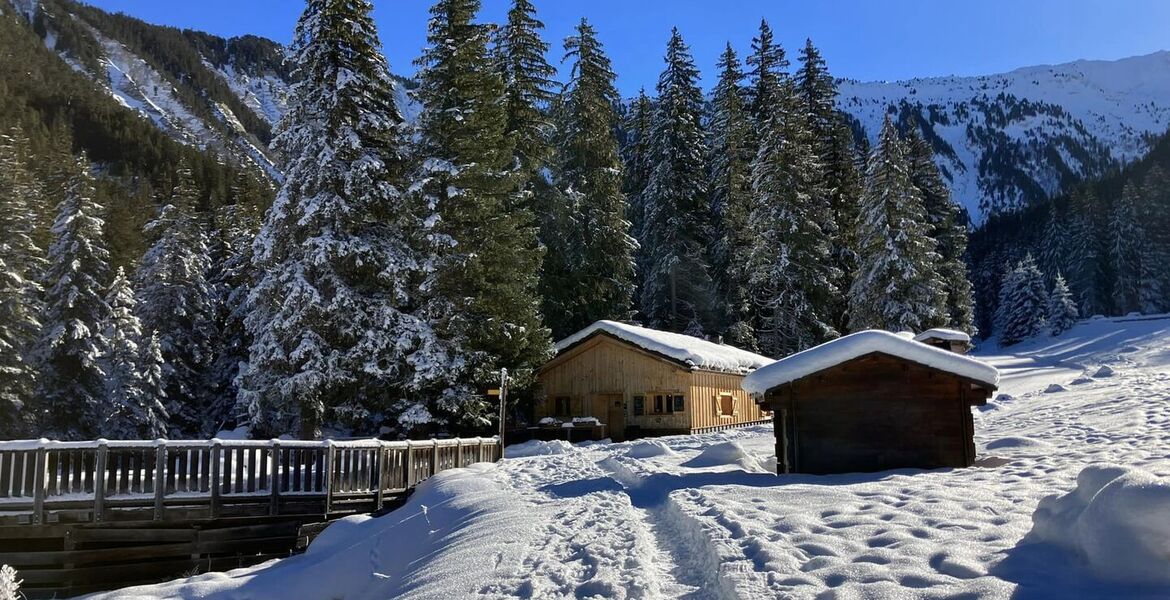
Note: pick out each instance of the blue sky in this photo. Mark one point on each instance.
(861, 39)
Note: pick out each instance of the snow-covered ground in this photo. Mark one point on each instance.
(704, 517)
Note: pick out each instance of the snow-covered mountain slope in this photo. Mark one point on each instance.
(704, 517)
(1004, 140)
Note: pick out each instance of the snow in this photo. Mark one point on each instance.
(949, 335)
(859, 344)
(704, 517)
(537, 448)
(698, 353)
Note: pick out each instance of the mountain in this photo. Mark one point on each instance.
(1005, 141)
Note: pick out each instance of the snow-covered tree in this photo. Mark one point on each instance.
(21, 266)
(176, 301)
(948, 227)
(635, 150)
(1062, 308)
(1126, 240)
(677, 288)
(232, 280)
(135, 409)
(767, 71)
(591, 241)
(528, 84)
(729, 171)
(493, 271)
(1023, 303)
(1083, 256)
(1154, 294)
(70, 401)
(340, 335)
(897, 287)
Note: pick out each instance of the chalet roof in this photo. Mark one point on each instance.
(691, 351)
(815, 360)
(949, 335)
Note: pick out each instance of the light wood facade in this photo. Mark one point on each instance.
(636, 392)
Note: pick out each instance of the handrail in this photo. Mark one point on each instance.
(40, 475)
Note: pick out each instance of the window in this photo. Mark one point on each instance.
(562, 406)
(726, 404)
(680, 403)
(639, 405)
(659, 403)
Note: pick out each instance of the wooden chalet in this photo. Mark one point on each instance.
(643, 382)
(873, 401)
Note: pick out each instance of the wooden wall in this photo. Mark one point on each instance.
(603, 366)
(874, 414)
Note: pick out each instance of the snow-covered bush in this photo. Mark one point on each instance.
(1117, 519)
(9, 584)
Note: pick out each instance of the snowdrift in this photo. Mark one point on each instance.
(1117, 519)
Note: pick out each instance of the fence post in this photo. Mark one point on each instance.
(40, 481)
(330, 452)
(434, 457)
(160, 481)
(274, 478)
(99, 480)
(380, 469)
(215, 485)
(409, 466)
(458, 453)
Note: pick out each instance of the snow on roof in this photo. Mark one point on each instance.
(814, 360)
(698, 353)
(949, 335)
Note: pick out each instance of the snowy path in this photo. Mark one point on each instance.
(703, 517)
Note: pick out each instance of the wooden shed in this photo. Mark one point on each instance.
(947, 339)
(873, 401)
(644, 382)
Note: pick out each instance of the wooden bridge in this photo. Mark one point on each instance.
(77, 517)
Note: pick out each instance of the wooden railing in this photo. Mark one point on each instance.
(38, 477)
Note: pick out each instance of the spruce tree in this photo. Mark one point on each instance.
(1083, 255)
(897, 287)
(1126, 240)
(947, 227)
(1062, 308)
(491, 274)
(21, 266)
(71, 398)
(636, 162)
(839, 178)
(340, 337)
(767, 71)
(1053, 241)
(729, 167)
(135, 409)
(1023, 303)
(1154, 213)
(592, 241)
(528, 85)
(677, 288)
(176, 301)
(232, 280)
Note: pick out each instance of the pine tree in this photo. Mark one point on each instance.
(1083, 262)
(340, 335)
(949, 231)
(1023, 303)
(676, 293)
(897, 287)
(839, 178)
(1154, 213)
(1062, 308)
(729, 167)
(21, 266)
(135, 409)
(768, 66)
(592, 241)
(70, 401)
(1053, 241)
(492, 275)
(1126, 239)
(176, 301)
(528, 85)
(637, 167)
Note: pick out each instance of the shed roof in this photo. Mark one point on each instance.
(815, 360)
(690, 351)
(949, 335)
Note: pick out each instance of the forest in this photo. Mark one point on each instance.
(154, 290)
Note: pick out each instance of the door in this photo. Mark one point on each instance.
(615, 416)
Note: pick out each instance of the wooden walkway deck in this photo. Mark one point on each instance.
(77, 517)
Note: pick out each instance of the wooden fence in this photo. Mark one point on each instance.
(45, 481)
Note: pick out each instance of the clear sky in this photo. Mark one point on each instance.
(861, 39)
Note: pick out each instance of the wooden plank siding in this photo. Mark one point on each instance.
(872, 414)
(599, 369)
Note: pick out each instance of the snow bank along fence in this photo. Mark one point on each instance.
(82, 516)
